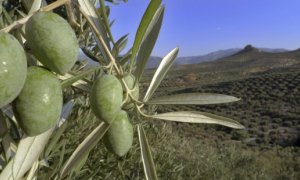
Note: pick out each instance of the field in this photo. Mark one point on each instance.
(267, 149)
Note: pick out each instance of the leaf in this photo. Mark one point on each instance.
(90, 10)
(66, 111)
(105, 19)
(36, 5)
(120, 45)
(123, 60)
(160, 73)
(84, 147)
(149, 167)
(146, 20)
(194, 98)
(198, 117)
(28, 152)
(70, 81)
(54, 139)
(148, 42)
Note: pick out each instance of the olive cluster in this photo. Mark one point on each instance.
(36, 93)
(106, 98)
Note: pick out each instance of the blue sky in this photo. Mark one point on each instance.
(201, 26)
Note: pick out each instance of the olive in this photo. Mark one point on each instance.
(106, 97)
(53, 41)
(119, 137)
(13, 68)
(129, 79)
(38, 106)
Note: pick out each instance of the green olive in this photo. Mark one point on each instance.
(106, 97)
(129, 79)
(13, 68)
(119, 137)
(52, 41)
(38, 106)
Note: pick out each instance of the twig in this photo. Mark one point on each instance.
(22, 21)
(99, 37)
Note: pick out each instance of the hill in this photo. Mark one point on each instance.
(215, 55)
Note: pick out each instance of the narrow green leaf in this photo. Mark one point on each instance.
(148, 43)
(123, 60)
(105, 19)
(70, 81)
(84, 147)
(160, 73)
(120, 45)
(194, 98)
(147, 18)
(54, 139)
(149, 167)
(199, 117)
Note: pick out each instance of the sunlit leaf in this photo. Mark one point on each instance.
(144, 24)
(160, 73)
(148, 43)
(198, 117)
(193, 98)
(32, 173)
(36, 5)
(28, 152)
(149, 167)
(84, 147)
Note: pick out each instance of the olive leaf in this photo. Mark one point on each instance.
(198, 117)
(149, 167)
(29, 150)
(54, 139)
(148, 42)
(120, 45)
(143, 26)
(84, 147)
(27, 153)
(160, 73)
(193, 98)
(125, 58)
(90, 10)
(105, 19)
(36, 5)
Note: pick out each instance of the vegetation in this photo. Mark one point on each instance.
(35, 143)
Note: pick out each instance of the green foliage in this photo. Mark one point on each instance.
(178, 150)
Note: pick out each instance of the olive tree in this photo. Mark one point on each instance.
(41, 78)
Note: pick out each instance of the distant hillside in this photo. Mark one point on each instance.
(215, 55)
(247, 61)
(154, 61)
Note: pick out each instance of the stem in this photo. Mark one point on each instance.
(99, 37)
(22, 21)
(141, 112)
